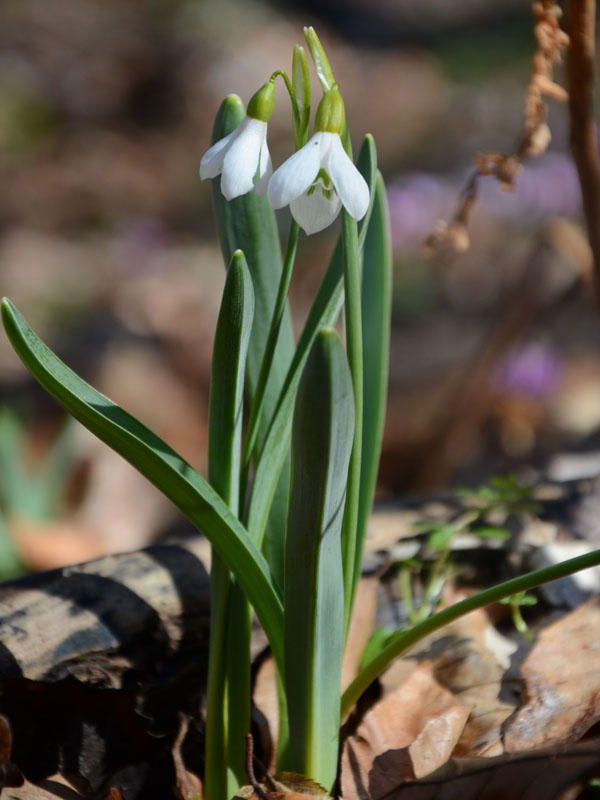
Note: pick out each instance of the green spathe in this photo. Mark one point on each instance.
(262, 102)
(331, 114)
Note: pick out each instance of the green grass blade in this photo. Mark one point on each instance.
(354, 347)
(324, 312)
(158, 462)
(376, 315)
(229, 610)
(314, 597)
(399, 642)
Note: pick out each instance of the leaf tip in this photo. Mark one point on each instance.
(7, 309)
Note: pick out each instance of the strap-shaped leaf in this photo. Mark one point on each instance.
(314, 589)
(227, 381)
(324, 312)
(158, 462)
(228, 695)
(376, 304)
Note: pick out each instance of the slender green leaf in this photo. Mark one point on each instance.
(354, 346)
(324, 311)
(314, 596)
(376, 312)
(158, 462)
(321, 62)
(402, 640)
(301, 89)
(232, 337)
(229, 611)
(441, 537)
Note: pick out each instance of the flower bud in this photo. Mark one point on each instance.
(262, 103)
(301, 81)
(331, 115)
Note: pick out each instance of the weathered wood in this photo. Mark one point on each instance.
(139, 615)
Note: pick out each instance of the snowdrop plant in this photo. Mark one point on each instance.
(320, 177)
(289, 493)
(243, 153)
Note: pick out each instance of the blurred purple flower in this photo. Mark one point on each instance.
(545, 187)
(136, 241)
(417, 201)
(531, 369)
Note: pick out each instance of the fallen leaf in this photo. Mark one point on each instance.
(409, 733)
(286, 786)
(54, 788)
(265, 713)
(361, 627)
(561, 683)
(469, 659)
(542, 775)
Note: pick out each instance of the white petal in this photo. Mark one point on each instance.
(349, 183)
(241, 160)
(212, 161)
(315, 212)
(265, 169)
(296, 174)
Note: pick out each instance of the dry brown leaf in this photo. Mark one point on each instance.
(286, 786)
(114, 794)
(264, 697)
(361, 627)
(54, 788)
(542, 775)
(409, 733)
(473, 667)
(469, 659)
(562, 683)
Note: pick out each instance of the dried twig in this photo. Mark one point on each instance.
(535, 137)
(580, 77)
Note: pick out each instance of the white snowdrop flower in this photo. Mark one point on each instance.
(318, 179)
(244, 152)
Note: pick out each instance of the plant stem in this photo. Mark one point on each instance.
(267, 360)
(403, 640)
(406, 593)
(215, 775)
(238, 693)
(580, 80)
(354, 347)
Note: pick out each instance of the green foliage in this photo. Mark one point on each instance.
(516, 602)
(314, 588)
(503, 496)
(289, 545)
(158, 462)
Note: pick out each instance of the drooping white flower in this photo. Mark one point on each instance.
(318, 179)
(244, 152)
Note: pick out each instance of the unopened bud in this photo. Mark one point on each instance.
(331, 115)
(262, 103)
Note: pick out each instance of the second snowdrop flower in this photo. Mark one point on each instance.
(244, 152)
(317, 180)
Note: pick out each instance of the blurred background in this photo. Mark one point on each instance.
(107, 245)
